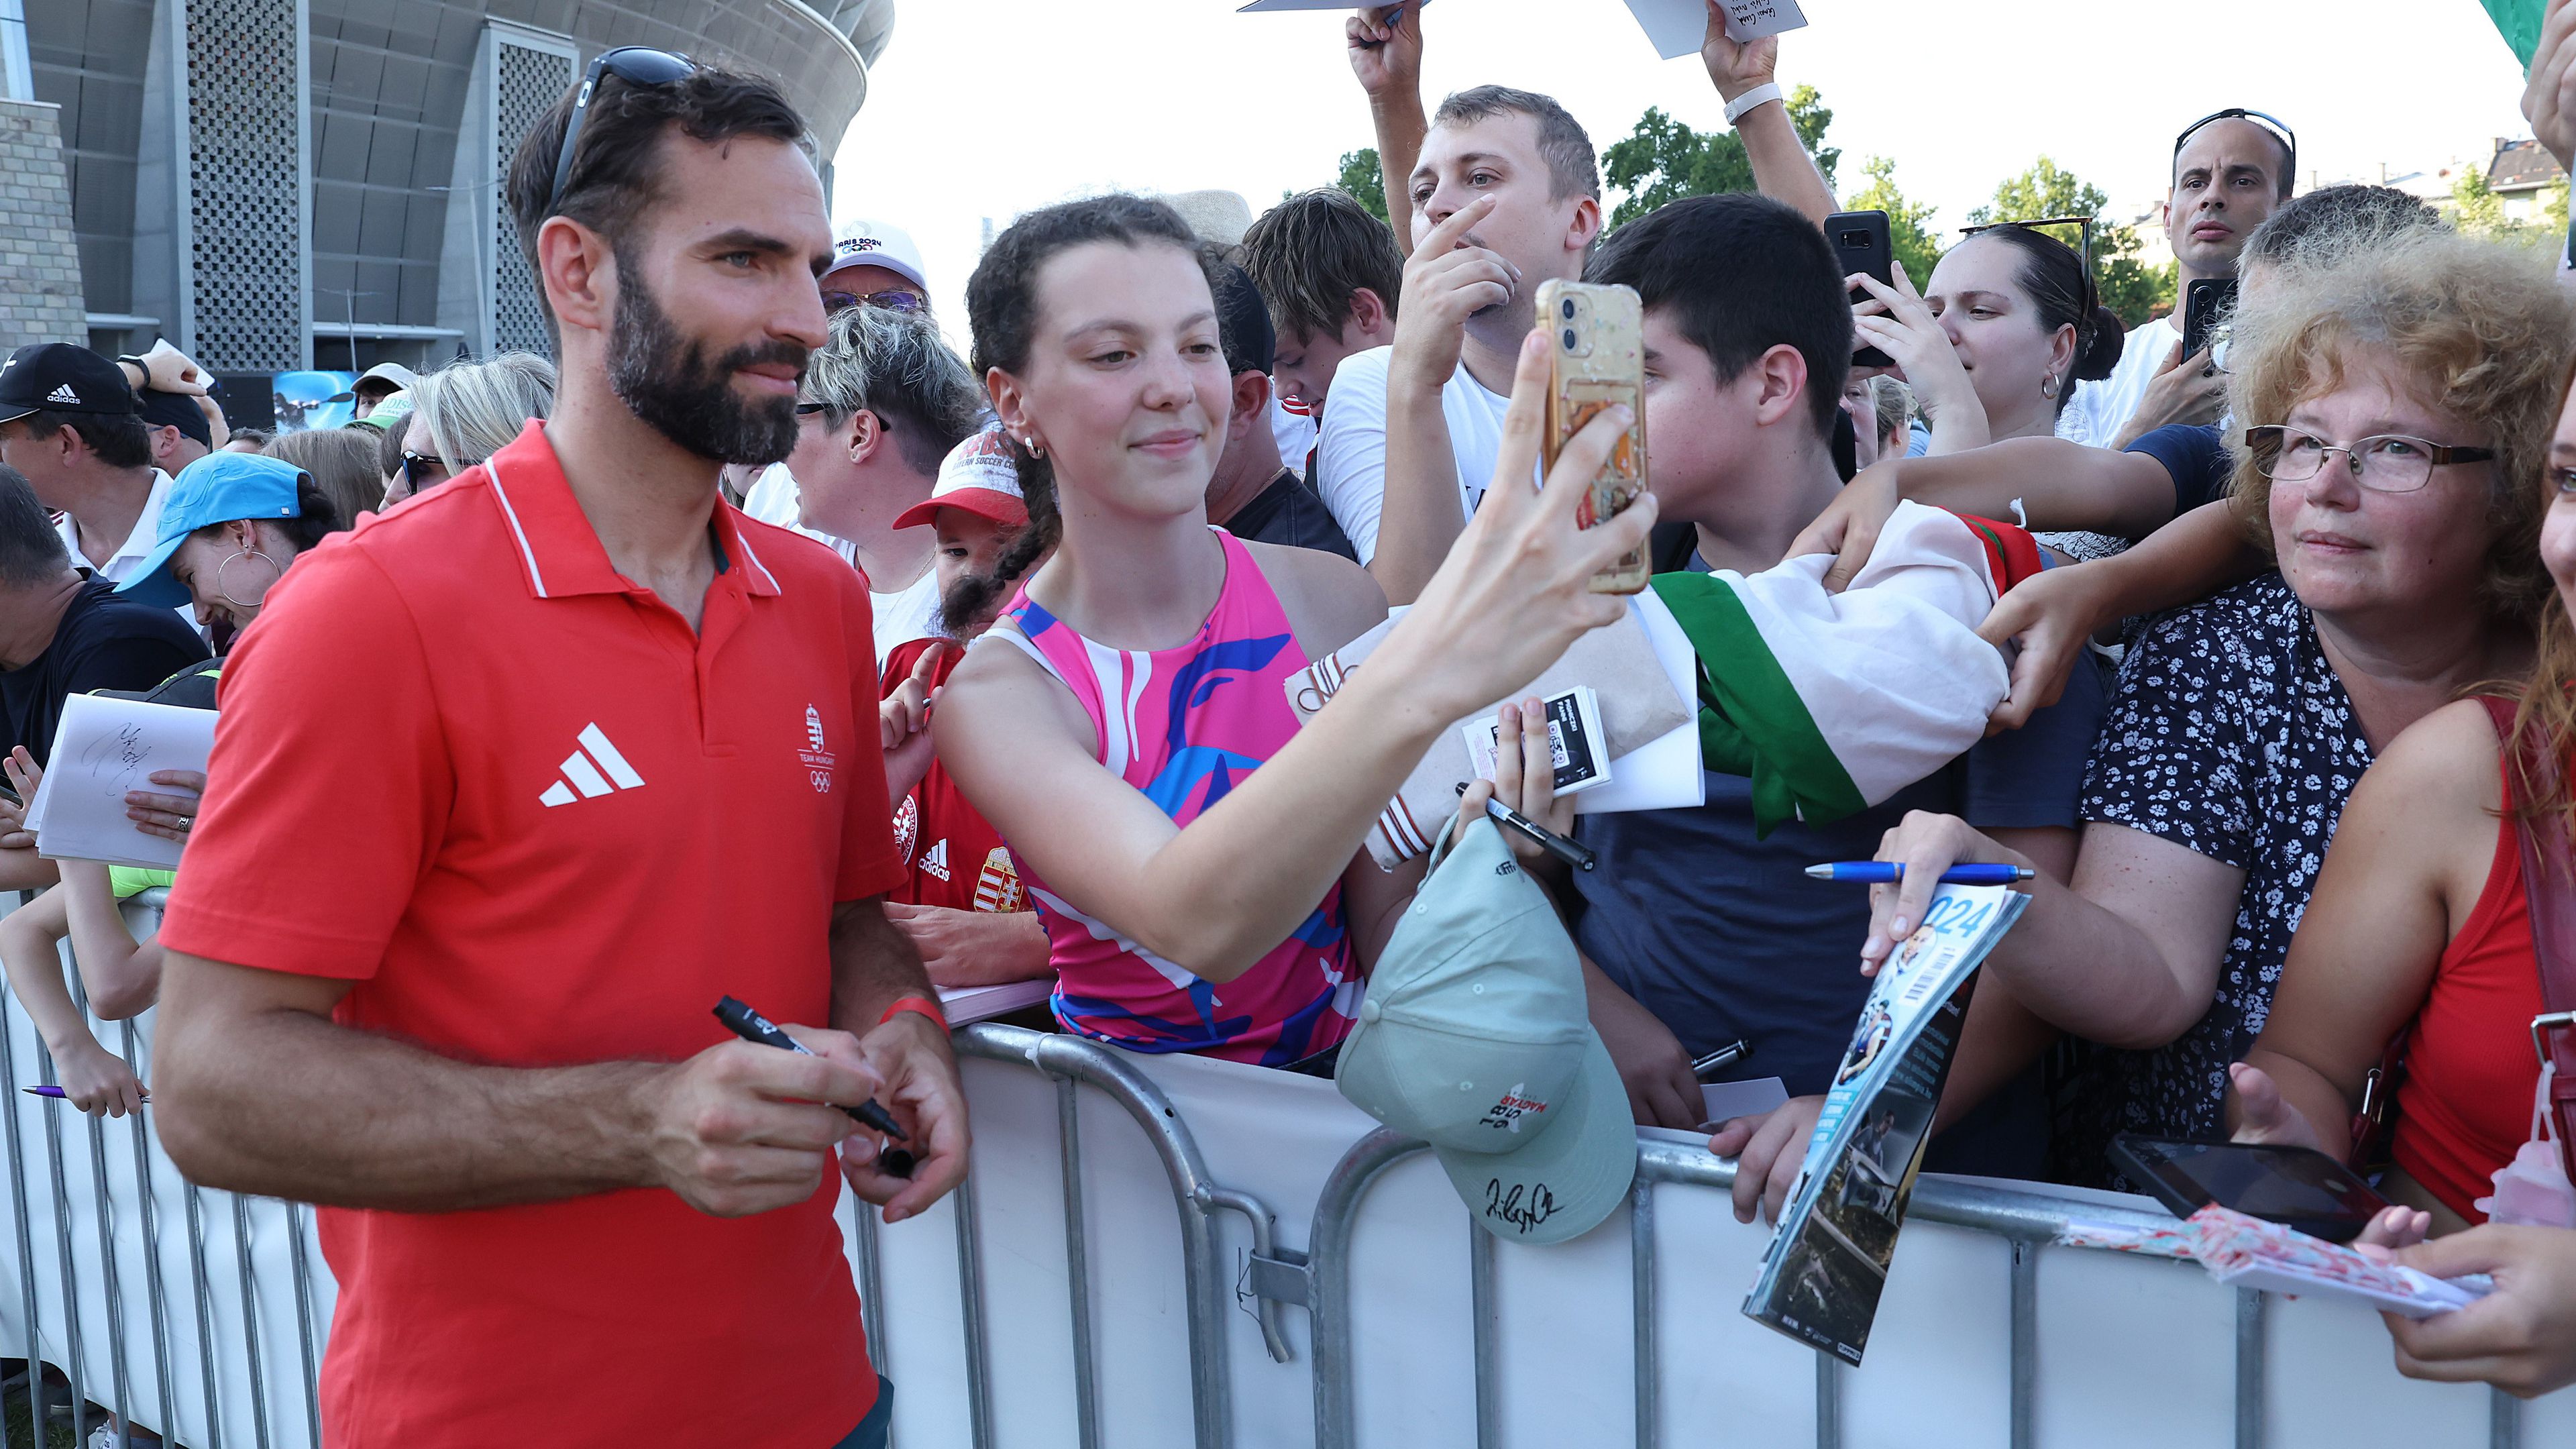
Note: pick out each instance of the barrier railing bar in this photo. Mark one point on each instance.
(1264, 1246)
(2025, 1340)
(2504, 1420)
(1641, 1281)
(203, 1289)
(298, 1215)
(250, 1322)
(970, 1290)
(1829, 1401)
(155, 1291)
(1328, 1255)
(121, 1399)
(1211, 1391)
(1480, 1294)
(26, 1242)
(63, 1253)
(863, 1220)
(1077, 1262)
(2250, 1304)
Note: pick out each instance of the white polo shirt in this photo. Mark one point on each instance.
(129, 555)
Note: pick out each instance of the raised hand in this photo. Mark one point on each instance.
(1448, 279)
(1386, 55)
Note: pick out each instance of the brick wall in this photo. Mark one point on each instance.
(40, 281)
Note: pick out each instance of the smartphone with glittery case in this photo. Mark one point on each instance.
(1597, 359)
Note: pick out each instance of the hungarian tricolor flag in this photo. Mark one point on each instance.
(1831, 702)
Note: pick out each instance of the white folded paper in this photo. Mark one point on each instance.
(104, 748)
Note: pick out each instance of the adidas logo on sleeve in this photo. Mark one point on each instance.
(601, 771)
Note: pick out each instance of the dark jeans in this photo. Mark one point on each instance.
(871, 1433)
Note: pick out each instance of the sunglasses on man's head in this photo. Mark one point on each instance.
(2279, 128)
(637, 65)
(2085, 249)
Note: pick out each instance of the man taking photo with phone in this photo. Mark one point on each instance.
(508, 792)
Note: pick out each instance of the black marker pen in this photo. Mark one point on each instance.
(751, 1026)
(1573, 852)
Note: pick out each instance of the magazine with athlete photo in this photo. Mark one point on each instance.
(1820, 1279)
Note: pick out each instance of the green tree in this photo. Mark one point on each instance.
(1361, 178)
(2129, 287)
(1665, 160)
(2475, 207)
(1909, 223)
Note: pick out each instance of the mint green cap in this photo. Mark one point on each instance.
(1476, 1038)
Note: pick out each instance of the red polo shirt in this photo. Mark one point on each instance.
(467, 766)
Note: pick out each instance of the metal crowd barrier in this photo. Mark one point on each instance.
(1319, 1279)
(221, 1347)
(234, 1303)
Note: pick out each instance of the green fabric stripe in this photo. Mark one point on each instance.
(1752, 721)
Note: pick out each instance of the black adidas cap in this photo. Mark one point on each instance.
(56, 377)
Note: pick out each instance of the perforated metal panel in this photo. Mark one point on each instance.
(245, 190)
(525, 80)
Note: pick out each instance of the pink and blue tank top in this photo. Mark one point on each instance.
(1184, 726)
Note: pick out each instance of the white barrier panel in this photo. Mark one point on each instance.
(2121, 1350)
(154, 1298)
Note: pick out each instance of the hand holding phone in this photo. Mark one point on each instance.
(1862, 247)
(2205, 303)
(1596, 358)
(2298, 1187)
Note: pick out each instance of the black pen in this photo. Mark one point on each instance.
(751, 1026)
(1720, 1059)
(1573, 852)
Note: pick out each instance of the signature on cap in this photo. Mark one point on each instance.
(1524, 1207)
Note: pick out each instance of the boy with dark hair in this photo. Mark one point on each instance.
(1701, 927)
(1253, 493)
(1331, 274)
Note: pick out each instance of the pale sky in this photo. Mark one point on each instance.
(986, 108)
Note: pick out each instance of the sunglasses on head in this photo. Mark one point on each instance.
(2085, 223)
(637, 65)
(2279, 128)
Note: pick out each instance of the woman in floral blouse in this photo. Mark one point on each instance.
(2395, 402)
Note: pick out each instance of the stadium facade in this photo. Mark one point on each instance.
(289, 184)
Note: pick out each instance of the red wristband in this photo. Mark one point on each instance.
(922, 1004)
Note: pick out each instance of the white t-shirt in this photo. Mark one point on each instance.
(2100, 409)
(1350, 451)
(906, 614)
(900, 617)
(129, 555)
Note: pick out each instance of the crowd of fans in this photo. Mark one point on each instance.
(2292, 683)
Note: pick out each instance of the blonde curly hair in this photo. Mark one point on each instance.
(2483, 328)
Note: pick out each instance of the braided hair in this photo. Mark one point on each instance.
(1002, 309)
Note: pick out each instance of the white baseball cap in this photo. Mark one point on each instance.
(861, 242)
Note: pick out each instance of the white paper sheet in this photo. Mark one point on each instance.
(1723, 1100)
(1313, 5)
(1678, 26)
(104, 748)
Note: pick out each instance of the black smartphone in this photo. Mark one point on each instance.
(2204, 302)
(1861, 248)
(2298, 1187)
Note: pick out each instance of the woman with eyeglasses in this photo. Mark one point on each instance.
(2399, 398)
(464, 413)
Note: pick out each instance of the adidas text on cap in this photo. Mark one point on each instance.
(56, 377)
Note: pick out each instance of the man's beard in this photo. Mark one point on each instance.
(665, 379)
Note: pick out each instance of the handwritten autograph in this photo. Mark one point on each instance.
(1524, 1207)
(112, 763)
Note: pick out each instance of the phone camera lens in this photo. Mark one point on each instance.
(1566, 309)
(1569, 339)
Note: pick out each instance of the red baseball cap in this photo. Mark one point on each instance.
(978, 475)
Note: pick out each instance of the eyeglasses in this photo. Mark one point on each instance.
(2084, 223)
(2279, 128)
(421, 470)
(2384, 463)
(892, 299)
(636, 65)
(807, 410)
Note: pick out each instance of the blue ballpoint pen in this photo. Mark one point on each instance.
(1888, 872)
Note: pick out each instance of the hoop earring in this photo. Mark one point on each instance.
(1036, 448)
(229, 561)
(2048, 387)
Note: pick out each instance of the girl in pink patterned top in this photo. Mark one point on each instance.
(1197, 859)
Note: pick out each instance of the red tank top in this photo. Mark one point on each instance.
(2464, 1107)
